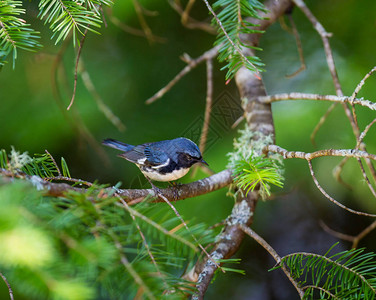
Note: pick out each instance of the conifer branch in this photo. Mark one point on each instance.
(275, 256)
(15, 33)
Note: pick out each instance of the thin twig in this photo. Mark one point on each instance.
(354, 239)
(114, 119)
(64, 178)
(357, 90)
(299, 46)
(274, 254)
(208, 107)
(364, 133)
(187, 228)
(321, 122)
(192, 23)
(363, 233)
(128, 266)
(366, 177)
(235, 47)
(76, 67)
(144, 25)
(332, 199)
(362, 82)
(337, 172)
(329, 59)
(325, 39)
(185, 14)
(134, 31)
(354, 153)
(192, 63)
(8, 285)
(321, 289)
(334, 233)
(209, 101)
(318, 97)
(143, 240)
(156, 225)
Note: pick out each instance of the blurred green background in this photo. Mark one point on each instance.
(126, 70)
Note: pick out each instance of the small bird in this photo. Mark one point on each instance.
(161, 161)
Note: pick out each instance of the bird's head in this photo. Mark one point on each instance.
(188, 153)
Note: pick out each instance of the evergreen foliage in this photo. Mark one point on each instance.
(251, 167)
(64, 17)
(88, 244)
(348, 275)
(254, 171)
(67, 17)
(231, 21)
(15, 33)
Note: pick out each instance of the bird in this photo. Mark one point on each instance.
(163, 161)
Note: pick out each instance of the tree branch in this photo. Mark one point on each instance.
(180, 192)
(275, 255)
(192, 63)
(318, 97)
(259, 119)
(326, 152)
(8, 285)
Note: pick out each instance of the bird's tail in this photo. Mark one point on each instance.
(117, 145)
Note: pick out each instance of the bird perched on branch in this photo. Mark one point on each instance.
(161, 161)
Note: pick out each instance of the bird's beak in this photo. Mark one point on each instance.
(204, 162)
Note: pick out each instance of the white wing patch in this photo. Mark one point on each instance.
(141, 161)
(163, 165)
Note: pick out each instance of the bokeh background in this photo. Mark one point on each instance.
(126, 70)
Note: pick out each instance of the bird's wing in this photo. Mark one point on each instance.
(146, 154)
(155, 156)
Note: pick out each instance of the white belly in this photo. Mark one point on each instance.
(167, 177)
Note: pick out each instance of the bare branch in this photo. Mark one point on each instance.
(209, 101)
(299, 46)
(329, 59)
(326, 152)
(191, 65)
(8, 285)
(332, 199)
(128, 29)
(274, 254)
(354, 239)
(363, 233)
(362, 82)
(144, 25)
(325, 39)
(364, 133)
(180, 192)
(259, 119)
(187, 228)
(190, 22)
(305, 96)
(145, 242)
(334, 233)
(114, 119)
(321, 122)
(76, 68)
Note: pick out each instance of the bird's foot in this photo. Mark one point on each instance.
(157, 191)
(175, 190)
